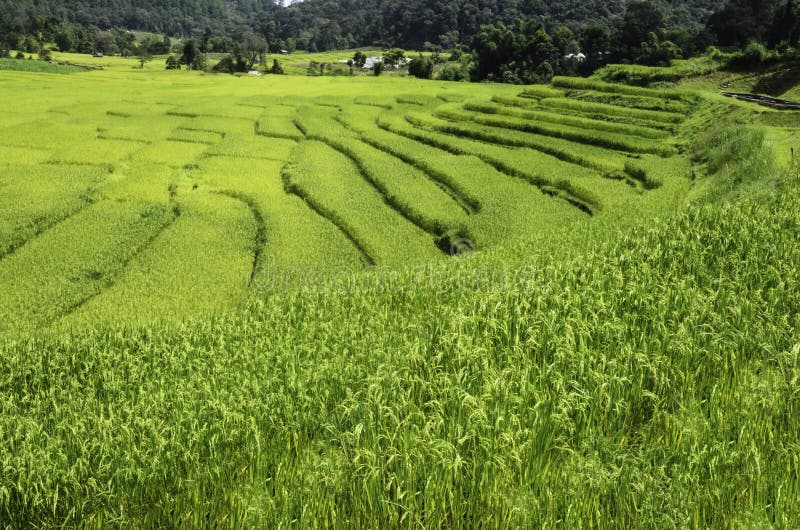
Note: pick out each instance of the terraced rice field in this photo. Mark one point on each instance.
(286, 302)
(193, 191)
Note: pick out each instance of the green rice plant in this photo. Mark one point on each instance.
(418, 99)
(22, 156)
(198, 347)
(200, 263)
(428, 202)
(252, 146)
(490, 182)
(541, 92)
(195, 136)
(612, 110)
(429, 387)
(332, 184)
(298, 241)
(65, 266)
(141, 181)
(451, 97)
(216, 108)
(386, 102)
(277, 122)
(16, 65)
(143, 129)
(172, 152)
(634, 74)
(578, 83)
(635, 102)
(573, 121)
(222, 126)
(596, 116)
(609, 140)
(95, 152)
(568, 151)
(330, 101)
(34, 198)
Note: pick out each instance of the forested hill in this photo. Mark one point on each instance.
(328, 24)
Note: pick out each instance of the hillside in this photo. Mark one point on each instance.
(343, 24)
(356, 302)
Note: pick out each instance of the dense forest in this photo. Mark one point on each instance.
(325, 24)
(513, 41)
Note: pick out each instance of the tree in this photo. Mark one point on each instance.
(377, 68)
(189, 53)
(421, 67)
(641, 19)
(199, 62)
(104, 43)
(173, 63)
(276, 68)
(205, 40)
(253, 49)
(658, 53)
(741, 21)
(596, 46)
(393, 57)
(514, 54)
(359, 59)
(291, 45)
(65, 38)
(144, 57)
(226, 65)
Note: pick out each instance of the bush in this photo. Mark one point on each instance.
(377, 68)
(276, 68)
(452, 72)
(394, 57)
(173, 63)
(226, 65)
(754, 55)
(359, 59)
(198, 62)
(45, 55)
(421, 67)
(19, 55)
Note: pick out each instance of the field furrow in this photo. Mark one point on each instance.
(298, 243)
(74, 261)
(330, 181)
(200, 264)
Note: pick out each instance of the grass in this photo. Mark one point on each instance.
(230, 302)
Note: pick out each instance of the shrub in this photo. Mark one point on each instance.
(394, 57)
(173, 63)
(276, 68)
(377, 68)
(754, 55)
(421, 67)
(359, 59)
(453, 72)
(225, 65)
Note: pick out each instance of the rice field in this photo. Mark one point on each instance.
(240, 302)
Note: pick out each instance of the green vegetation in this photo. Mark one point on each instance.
(268, 302)
(20, 65)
